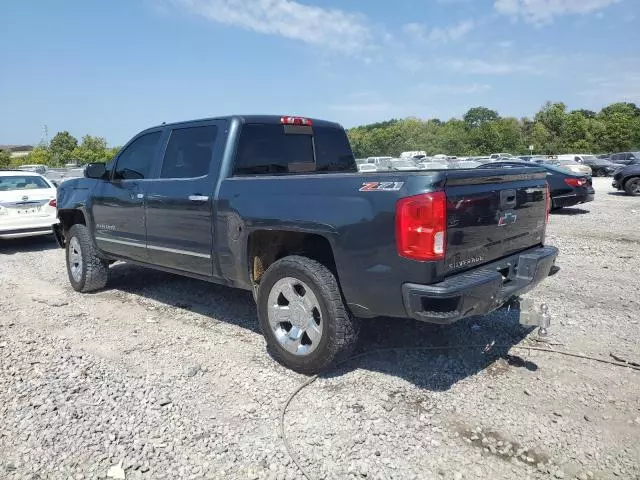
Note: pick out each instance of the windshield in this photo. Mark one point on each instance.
(591, 158)
(22, 182)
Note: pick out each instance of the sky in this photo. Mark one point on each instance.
(112, 68)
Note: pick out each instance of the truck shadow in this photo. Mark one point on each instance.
(27, 244)
(436, 357)
(430, 356)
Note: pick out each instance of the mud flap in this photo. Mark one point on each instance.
(57, 233)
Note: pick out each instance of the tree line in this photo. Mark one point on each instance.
(62, 149)
(482, 131)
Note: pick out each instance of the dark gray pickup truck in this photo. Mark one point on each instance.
(276, 205)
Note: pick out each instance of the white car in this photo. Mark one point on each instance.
(27, 204)
(367, 167)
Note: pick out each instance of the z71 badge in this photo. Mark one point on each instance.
(381, 186)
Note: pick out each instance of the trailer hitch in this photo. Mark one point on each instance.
(532, 316)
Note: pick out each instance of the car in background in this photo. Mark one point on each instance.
(600, 167)
(625, 158)
(381, 163)
(41, 169)
(628, 179)
(405, 165)
(569, 164)
(27, 204)
(367, 167)
(567, 188)
(495, 156)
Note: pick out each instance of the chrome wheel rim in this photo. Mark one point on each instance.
(75, 259)
(294, 316)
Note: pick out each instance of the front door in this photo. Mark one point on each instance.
(118, 202)
(180, 203)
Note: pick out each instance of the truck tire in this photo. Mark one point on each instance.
(303, 317)
(632, 186)
(87, 272)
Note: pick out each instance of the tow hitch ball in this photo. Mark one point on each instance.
(532, 316)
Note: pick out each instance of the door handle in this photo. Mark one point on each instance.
(198, 198)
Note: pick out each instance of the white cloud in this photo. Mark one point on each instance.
(332, 28)
(543, 11)
(421, 33)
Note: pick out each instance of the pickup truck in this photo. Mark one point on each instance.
(275, 205)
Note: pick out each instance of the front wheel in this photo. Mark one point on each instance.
(87, 272)
(632, 186)
(302, 315)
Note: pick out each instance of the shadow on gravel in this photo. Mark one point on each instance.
(27, 244)
(439, 370)
(569, 211)
(618, 194)
(432, 370)
(217, 302)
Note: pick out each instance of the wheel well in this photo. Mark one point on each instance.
(268, 246)
(68, 218)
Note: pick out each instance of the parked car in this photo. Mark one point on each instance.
(404, 165)
(567, 189)
(569, 164)
(600, 167)
(27, 204)
(41, 169)
(495, 156)
(625, 158)
(367, 167)
(381, 163)
(275, 205)
(628, 179)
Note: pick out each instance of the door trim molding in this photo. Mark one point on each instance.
(121, 242)
(179, 252)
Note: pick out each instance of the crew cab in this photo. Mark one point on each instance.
(276, 205)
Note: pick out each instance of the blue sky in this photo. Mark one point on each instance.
(112, 68)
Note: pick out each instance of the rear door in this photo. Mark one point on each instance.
(118, 202)
(179, 203)
(492, 213)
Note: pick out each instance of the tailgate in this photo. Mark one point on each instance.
(493, 214)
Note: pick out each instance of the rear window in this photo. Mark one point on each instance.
(268, 149)
(22, 182)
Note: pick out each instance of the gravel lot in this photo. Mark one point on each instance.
(168, 377)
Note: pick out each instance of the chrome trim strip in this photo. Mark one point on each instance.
(180, 252)
(154, 247)
(121, 242)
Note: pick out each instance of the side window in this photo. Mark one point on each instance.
(333, 152)
(189, 152)
(136, 161)
(271, 148)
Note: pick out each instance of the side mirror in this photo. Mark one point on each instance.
(95, 170)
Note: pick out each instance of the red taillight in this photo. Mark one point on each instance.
(575, 182)
(296, 121)
(421, 224)
(53, 203)
(547, 201)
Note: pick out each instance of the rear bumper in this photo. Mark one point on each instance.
(479, 291)
(572, 199)
(30, 227)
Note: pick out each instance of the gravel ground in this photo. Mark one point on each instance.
(162, 377)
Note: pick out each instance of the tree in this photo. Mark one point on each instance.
(478, 116)
(5, 158)
(61, 146)
(38, 156)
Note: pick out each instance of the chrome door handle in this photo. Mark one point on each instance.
(198, 198)
(140, 195)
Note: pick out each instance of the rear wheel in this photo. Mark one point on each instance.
(87, 272)
(302, 315)
(632, 186)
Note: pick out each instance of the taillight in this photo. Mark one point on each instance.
(421, 223)
(547, 201)
(53, 203)
(296, 121)
(575, 182)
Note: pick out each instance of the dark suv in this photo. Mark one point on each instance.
(625, 158)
